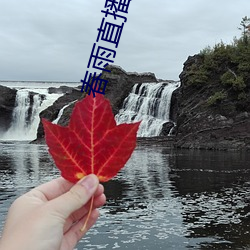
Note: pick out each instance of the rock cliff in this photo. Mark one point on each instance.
(7, 104)
(51, 113)
(209, 115)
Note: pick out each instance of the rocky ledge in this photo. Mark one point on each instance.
(205, 121)
(7, 104)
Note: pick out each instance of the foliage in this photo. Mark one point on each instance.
(216, 98)
(206, 51)
(226, 66)
(245, 28)
(239, 84)
(234, 81)
(228, 78)
(197, 75)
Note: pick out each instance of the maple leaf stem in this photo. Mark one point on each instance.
(84, 228)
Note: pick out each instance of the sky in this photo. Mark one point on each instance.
(51, 40)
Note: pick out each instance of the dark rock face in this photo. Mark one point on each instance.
(60, 90)
(199, 125)
(7, 104)
(52, 112)
(31, 101)
(176, 97)
(166, 128)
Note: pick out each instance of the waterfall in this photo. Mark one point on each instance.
(61, 112)
(149, 103)
(25, 117)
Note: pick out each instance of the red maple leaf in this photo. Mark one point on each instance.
(92, 142)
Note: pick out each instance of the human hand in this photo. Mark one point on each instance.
(50, 216)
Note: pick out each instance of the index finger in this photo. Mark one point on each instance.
(54, 188)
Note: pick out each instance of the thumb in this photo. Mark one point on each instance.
(76, 197)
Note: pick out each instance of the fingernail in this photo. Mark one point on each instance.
(89, 182)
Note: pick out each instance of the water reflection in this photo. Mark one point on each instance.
(26, 164)
(22, 167)
(160, 200)
(142, 210)
(214, 187)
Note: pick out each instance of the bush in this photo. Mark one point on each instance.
(210, 64)
(197, 75)
(234, 81)
(239, 84)
(223, 53)
(228, 78)
(216, 98)
(206, 51)
(244, 69)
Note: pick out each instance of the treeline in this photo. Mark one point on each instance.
(226, 65)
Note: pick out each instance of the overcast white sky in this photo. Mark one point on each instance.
(52, 39)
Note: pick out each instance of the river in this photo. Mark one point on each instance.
(162, 199)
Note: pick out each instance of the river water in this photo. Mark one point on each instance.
(162, 199)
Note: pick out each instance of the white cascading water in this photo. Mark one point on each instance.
(25, 122)
(149, 103)
(61, 112)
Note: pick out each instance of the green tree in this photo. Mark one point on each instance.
(216, 98)
(245, 28)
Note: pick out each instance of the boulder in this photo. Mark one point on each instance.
(7, 105)
(51, 113)
(60, 90)
(166, 128)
